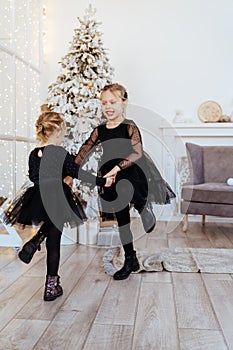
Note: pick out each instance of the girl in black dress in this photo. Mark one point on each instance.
(50, 200)
(136, 179)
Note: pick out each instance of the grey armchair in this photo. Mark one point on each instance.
(208, 192)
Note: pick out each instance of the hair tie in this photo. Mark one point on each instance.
(125, 97)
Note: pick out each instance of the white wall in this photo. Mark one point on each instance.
(170, 54)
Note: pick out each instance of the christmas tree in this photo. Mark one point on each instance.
(85, 70)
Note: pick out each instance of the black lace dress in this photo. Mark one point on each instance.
(49, 198)
(122, 146)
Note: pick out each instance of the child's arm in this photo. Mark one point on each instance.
(136, 142)
(87, 147)
(83, 152)
(33, 171)
(75, 171)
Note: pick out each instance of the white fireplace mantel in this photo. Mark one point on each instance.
(220, 131)
(206, 134)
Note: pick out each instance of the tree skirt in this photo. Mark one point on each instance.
(207, 260)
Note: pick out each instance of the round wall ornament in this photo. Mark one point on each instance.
(209, 112)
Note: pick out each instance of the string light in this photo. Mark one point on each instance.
(20, 55)
(6, 175)
(44, 35)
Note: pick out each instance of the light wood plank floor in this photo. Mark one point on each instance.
(158, 311)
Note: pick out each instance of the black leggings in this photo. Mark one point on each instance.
(109, 204)
(123, 220)
(53, 243)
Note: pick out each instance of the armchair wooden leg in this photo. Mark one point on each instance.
(185, 224)
(203, 220)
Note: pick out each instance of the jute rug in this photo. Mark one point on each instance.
(175, 260)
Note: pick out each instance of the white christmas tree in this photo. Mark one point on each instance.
(85, 70)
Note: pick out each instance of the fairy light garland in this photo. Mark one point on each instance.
(20, 58)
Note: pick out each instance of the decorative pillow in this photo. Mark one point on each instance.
(230, 181)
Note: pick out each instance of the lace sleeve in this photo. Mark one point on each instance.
(136, 142)
(87, 146)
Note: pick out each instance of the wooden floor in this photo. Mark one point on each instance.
(159, 311)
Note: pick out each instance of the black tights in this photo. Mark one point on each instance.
(123, 220)
(122, 216)
(53, 242)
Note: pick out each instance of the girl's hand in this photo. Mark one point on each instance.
(113, 172)
(109, 181)
(68, 180)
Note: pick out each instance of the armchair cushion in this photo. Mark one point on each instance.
(208, 193)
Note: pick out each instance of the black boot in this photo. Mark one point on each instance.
(53, 289)
(29, 248)
(148, 218)
(131, 264)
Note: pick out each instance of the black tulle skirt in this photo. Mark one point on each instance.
(148, 186)
(159, 191)
(27, 208)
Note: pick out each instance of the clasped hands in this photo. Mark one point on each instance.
(110, 177)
